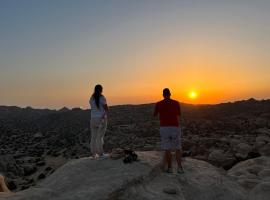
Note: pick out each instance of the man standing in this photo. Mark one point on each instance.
(169, 114)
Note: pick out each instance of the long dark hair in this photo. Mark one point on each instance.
(97, 93)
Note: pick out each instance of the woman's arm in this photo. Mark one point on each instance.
(106, 109)
(105, 106)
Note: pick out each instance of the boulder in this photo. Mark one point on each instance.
(242, 150)
(234, 142)
(221, 159)
(170, 190)
(263, 131)
(265, 150)
(251, 172)
(12, 185)
(41, 163)
(8, 164)
(41, 176)
(29, 169)
(263, 138)
(258, 145)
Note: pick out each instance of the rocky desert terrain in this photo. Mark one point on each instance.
(35, 142)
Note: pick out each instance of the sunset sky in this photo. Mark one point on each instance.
(53, 52)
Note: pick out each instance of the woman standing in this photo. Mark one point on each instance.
(98, 122)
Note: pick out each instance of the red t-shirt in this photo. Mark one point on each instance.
(168, 110)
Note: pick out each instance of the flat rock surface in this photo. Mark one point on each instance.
(201, 181)
(84, 178)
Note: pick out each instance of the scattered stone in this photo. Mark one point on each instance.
(221, 159)
(11, 184)
(263, 131)
(41, 176)
(242, 150)
(38, 135)
(29, 169)
(263, 138)
(24, 187)
(48, 169)
(170, 190)
(265, 150)
(41, 163)
(248, 183)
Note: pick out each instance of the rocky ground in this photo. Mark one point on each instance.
(34, 142)
(108, 179)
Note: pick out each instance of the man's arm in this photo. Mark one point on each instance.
(179, 114)
(180, 111)
(156, 110)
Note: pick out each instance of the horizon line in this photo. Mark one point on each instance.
(131, 104)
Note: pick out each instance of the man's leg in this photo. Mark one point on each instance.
(178, 148)
(168, 157)
(166, 146)
(178, 155)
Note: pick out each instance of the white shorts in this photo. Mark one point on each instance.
(170, 137)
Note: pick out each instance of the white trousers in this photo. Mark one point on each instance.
(98, 129)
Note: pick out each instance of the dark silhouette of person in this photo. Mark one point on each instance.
(169, 112)
(98, 122)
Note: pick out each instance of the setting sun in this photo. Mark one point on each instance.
(193, 95)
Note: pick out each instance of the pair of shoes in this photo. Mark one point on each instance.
(169, 171)
(130, 156)
(180, 170)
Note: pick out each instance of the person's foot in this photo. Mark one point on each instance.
(94, 157)
(169, 170)
(180, 170)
